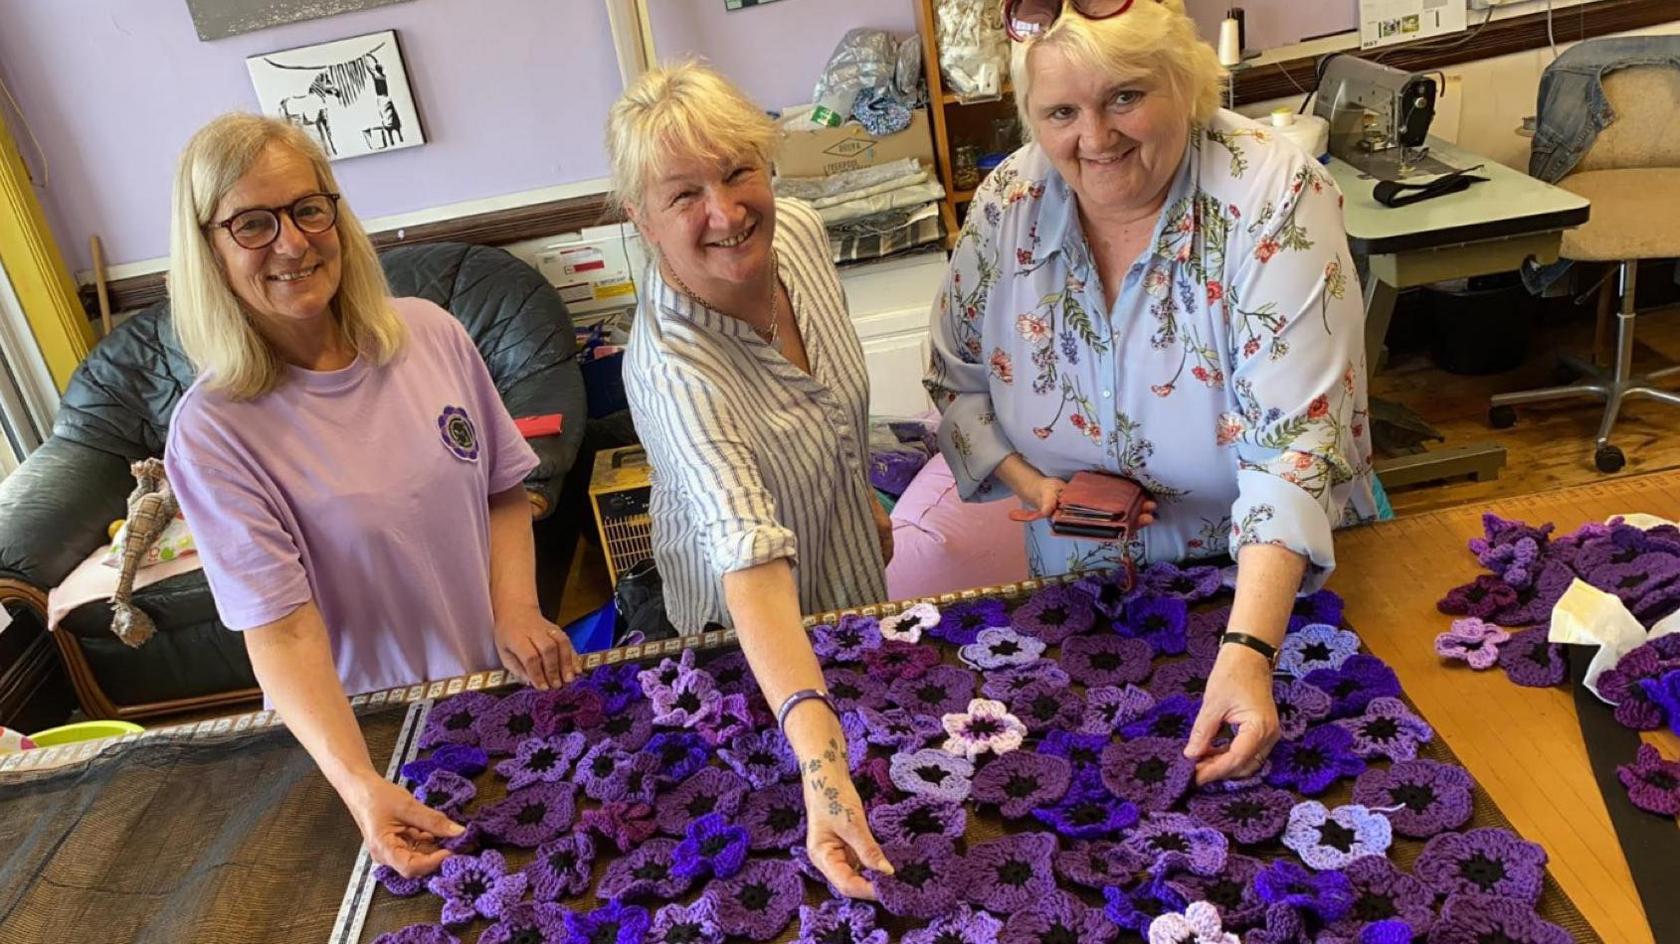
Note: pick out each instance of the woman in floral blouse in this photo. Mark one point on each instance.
(1160, 288)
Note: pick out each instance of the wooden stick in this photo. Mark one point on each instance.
(98, 250)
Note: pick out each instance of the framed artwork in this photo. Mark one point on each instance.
(219, 19)
(743, 4)
(352, 95)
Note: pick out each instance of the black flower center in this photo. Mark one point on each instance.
(1195, 685)
(618, 724)
(521, 723)
(1476, 593)
(914, 874)
(923, 822)
(606, 933)
(651, 871)
(526, 936)
(531, 814)
(1482, 871)
(1006, 648)
(1083, 755)
(1337, 836)
(1661, 779)
(1372, 906)
(1105, 660)
(980, 728)
(1540, 654)
(1154, 623)
(1108, 595)
(688, 701)
(1168, 725)
(1225, 893)
(712, 845)
(684, 933)
(1171, 842)
(1044, 707)
(782, 818)
(931, 773)
(726, 676)
(474, 888)
(972, 621)
(459, 721)
(1244, 810)
(1059, 934)
(1019, 786)
(1087, 813)
(839, 934)
(1151, 771)
(950, 937)
(1345, 687)
(1630, 581)
(844, 690)
(1054, 615)
(543, 759)
(1382, 729)
(1310, 760)
(701, 804)
(754, 896)
(761, 759)
(672, 752)
(602, 766)
(1415, 797)
(563, 860)
(1182, 586)
(930, 693)
(1014, 873)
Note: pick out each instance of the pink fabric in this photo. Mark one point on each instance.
(942, 545)
(92, 580)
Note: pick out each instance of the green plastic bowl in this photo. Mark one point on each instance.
(84, 731)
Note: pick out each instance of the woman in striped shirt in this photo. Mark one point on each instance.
(748, 388)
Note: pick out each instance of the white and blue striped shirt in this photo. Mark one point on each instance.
(753, 459)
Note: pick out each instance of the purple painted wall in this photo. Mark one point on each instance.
(513, 95)
(1273, 23)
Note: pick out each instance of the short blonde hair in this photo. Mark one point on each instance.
(1154, 37)
(690, 110)
(211, 322)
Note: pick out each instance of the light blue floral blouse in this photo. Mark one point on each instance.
(1228, 377)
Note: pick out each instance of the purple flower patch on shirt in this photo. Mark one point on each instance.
(459, 435)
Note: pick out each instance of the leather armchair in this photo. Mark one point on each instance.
(55, 508)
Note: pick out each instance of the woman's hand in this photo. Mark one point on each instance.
(884, 531)
(398, 830)
(1040, 493)
(837, 836)
(535, 649)
(1239, 693)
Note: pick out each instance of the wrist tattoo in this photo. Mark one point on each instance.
(822, 784)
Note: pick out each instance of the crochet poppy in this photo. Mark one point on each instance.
(1087, 810)
(1157, 620)
(1664, 692)
(1387, 729)
(525, 923)
(896, 660)
(1431, 797)
(418, 934)
(1042, 706)
(1173, 841)
(774, 817)
(688, 699)
(874, 782)
(1107, 591)
(1098, 863)
(616, 685)
(1008, 873)
(595, 769)
(1318, 759)
(395, 883)
(1534, 603)
(759, 901)
(1530, 660)
(694, 923)
(1251, 816)
(933, 772)
(1100, 660)
(1187, 677)
(1635, 582)
(1317, 646)
(1192, 583)
(1300, 705)
(622, 823)
(917, 816)
(962, 926)
(986, 727)
(1055, 613)
(1000, 647)
(530, 817)
(1472, 641)
(574, 709)
(1083, 751)
(908, 624)
(1351, 687)
(1321, 607)
(712, 845)
(1382, 892)
(1003, 684)
(1231, 890)
(1170, 718)
(561, 867)
(446, 791)
(1108, 707)
(656, 682)
(1151, 772)
(1135, 906)
(1473, 919)
(463, 759)
(614, 923)
(630, 729)
(516, 717)
(731, 671)
(851, 689)
(636, 779)
(943, 689)
(1332, 839)
(1020, 780)
(1619, 685)
(1483, 862)
(542, 760)
(763, 758)
(898, 729)
(846, 640)
(1328, 895)
(1653, 784)
(839, 921)
(1480, 598)
(960, 623)
(711, 790)
(679, 754)
(476, 886)
(1199, 924)
(1058, 918)
(923, 881)
(453, 720)
(646, 873)
(1202, 632)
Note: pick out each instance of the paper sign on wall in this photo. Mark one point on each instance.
(1386, 22)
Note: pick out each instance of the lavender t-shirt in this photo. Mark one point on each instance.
(364, 489)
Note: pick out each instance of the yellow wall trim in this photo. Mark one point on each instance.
(37, 270)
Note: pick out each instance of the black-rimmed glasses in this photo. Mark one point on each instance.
(258, 227)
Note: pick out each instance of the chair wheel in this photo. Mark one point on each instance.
(1502, 417)
(1609, 459)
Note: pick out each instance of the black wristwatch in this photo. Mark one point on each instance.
(1253, 642)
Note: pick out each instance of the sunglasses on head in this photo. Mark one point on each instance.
(1023, 19)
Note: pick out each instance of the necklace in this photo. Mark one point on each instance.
(767, 335)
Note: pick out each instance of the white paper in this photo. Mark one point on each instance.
(1386, 22)
(1587, 616)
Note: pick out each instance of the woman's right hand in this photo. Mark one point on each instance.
(398, 830)
(837, 835)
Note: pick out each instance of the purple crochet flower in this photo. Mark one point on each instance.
(962, 926)
(561, 867)
(454, 720)
(774, 817)
(1187, 677)
(1159, 621)
(1351, 687)
(922, 883)
(847, 640)
(646, 873)
(839, 921)
(1137, 905)
(595, 769)
(1472, 641)
(574, 709)
(731, 671)
(759, 901)
(1331, 839)
(1664, 692)
(630, 729)
(1485, 862)
(636, 779)
(1386, 932)
(621, 823)
(986, 727)
(1653, 784)
(614, 923)
(659, 679)
(1083, 751)
(1329, 895)
(1151, 772)
(543, 760)
(1186, 583)
(1431, 797)
(1005, 683)
(393, 881)
(960, 623)
(1203, 630)
(918, 816)
(1619, 685)
(1318, 759)
(1087, 810)
(510, 721)
(908, 624)
(446, 791)
(418, 934)
(711, 790)
(1382, 892)
(686, 924)
(1099, 660)
(874, 782)
(1387, 729)
(1171, 718)
(1173, 841)
(999, 648)
(1055, 613)
(1020, 780)
(1043, 706)
(896, 660)
(1318, 646)
(1058, 918)
(527, 922)
(530, 817)
(463, 759)
(476, 886)
(1108, 707)
(1534, 603)
(852, 689)
(616, 685)
(679, 754)
(1638, 583)
(1108, 590)
(932, 772)
(899, 729)
(1480, 599)
(711, 845)
(942, 690)
(1231, 891)
(1008, 873)
(1300, 705)
(762, 757)
(1529, 659)
(1321, 607)
(690, 698)
(1098, 864)
(1199, 924)
(1252, 816)
(1474, 919)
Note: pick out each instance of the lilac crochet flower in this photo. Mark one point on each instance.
(960, 623)
(1000, 647)
(762, 757)
(986, 727)
(476, 886)
(942, 690)
(446, 791)
(1231, 891)
(1432, 797)
(1107, 590)
(1170, 718)
(917, 816)
(1480, 599)
(1020, 780)
(1199, 924)
(1100, 660)
(418, 934)
(1351, 687)
(622, 823)
(614, 923)
(530, 817)
(1008, 873)
(463, 759)
(1664, 692)
(896, 660)
(1058, 918)
(527, 922)
(1055, 613)
(1087, 810)
(454, 720)
(542, 760)
(899, 729)
(1653, 784)
(759, 901)
(561, 867)
(1167, 579)
(1321, 607)
(686, 924)
(1472, 641)
(1387, 729)
(711, 790)
(1300, 705)
(922, 884)
(1108, 707)
(839, 921)
(1318, 646)
(690, 698)
(908, 624)
(1098, 863)
(1187, 677)
(1318, 759)
(646, 873)
(630, 729)
(962, 926)
(595, 769)
(616, 685)
(1620, 686)
(1135, 906)
(1329, 895)
(1474, 919)
(658, 680)
(1331, 839)
(933, 772)
(1043, 706)
(1252, 816)
(774, 817)
(395, 883)
(1004, 684)
(1174, 841)
(847, 640)
(1159, 621)
(510, 721)
(1382, 892)
(1151, 772)
(1529, 659)
(1483, 861)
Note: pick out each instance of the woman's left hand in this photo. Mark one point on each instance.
(535, 649)
(884, 531)
(1239, 693)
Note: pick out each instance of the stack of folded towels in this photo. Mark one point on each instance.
(874, 211)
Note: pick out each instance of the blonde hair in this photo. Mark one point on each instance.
(687, 109)
(1154, 37)
(212, 324)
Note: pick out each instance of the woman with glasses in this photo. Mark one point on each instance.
(1161, 289)
(351, 477)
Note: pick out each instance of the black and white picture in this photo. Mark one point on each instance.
(743, 4)
(352, 94)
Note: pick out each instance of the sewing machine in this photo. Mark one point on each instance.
(1379, 116)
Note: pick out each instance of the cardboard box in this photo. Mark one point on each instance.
(822, 151)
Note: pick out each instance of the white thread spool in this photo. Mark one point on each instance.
(1230, 43)
(1311, 132)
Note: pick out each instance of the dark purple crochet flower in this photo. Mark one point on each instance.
(1003, 684)
(874, 782)
(418, 934)
(942, 690)
(1310, 765)
(774, 817)
(1098, 864)
(595, 769)
(917, 816)
(1321, 607)
(679, 753)
(1510, 548)
(530, 817)
(1150, 772)
(762, 757)
(899, 729)
(1534, 603)
(1055, 613)
(1285, 924)
(561, 867)
(732, 673)
(1473, 642)
(1475, 919)
(1664, 692)
(686, 924)
(510, 721)
(393, 881)
(1300, 705)
(1619, 685)
(1481, 598)
(613, 923)
(575, 709)
(1107, 591)
(1058, 918)
(1083, 751)
(1171, 842)
(852, 689)
(1042, 706)
(1329, 895)
(908, 624)
(933, 772)
(636, 779)
(839, 921)
(1432, 797)
(623, 824)
(1386, 932)
(847, 640)
(711, 845)
(1315, 646)
(527, 923)
(1137, 905)
(1529, 659)
(646, 873)
(454, 720)
(1382, 892)
(923, 883)
(1000, 648)
(1653, 784)
(711, 790)
(1203, 630)
(1638, 580)
(1187, 677)
(1087, 810)
(1250, 816)
(1008, 873)
(1351, 687)
(896, 660)
(616, 685)
(630, 729)
(1167, 579)
(960, 623)
(1159, 621)
(1108, 707)
(446, 791)
(1387, 729)
(759, 901)
(1231, 891)
(543, 760)
(1020, 780)
(463, 759)
(1170, 718)
(1485, 862)
(962, 926)
(476, 886)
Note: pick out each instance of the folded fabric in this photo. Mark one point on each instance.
(813, 189)
(902, 197)
(883, 234)
(908, 180)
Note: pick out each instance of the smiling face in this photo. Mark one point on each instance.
(290, 282)
(713, 223)
(1116, 141)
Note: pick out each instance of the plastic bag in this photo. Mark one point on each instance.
(864, 79)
